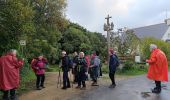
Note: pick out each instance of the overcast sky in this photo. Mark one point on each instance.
(125, 13)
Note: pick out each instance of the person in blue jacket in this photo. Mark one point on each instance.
(113, 63)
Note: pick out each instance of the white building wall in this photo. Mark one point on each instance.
(166, 35)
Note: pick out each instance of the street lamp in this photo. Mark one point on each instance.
(108, 27)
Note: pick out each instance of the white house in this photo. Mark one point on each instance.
(159, 31)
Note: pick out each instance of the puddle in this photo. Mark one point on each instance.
(145, 94)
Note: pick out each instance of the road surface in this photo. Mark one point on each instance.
(136, 88)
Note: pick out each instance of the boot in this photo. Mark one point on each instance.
(38, 88)
(5, 98)
(13, 95)
(64, 88)
(95, 84)
(68, 86)
(112, 86)
(78, 87)
(156, 90)
(83, 88)
(14, 98)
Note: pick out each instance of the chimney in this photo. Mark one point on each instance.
(167, 21)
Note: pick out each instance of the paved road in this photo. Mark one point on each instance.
(132, 89)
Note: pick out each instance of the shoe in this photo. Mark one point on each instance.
(42, 86)
(83, 88)
(68, 86)
(64, 88)
(95, 84)
(112, 86)
(156, 90)
(5, 98)
(14, 98)
(78, 87)
(38, 88)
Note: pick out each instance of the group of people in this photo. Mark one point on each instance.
(81, 65)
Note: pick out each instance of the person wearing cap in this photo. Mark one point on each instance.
(65, 68)
(113, 63)
(158, 69)
(9, 74)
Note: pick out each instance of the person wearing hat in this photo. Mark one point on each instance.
(9, 74)
(158, 69)
(113, 63)
(65, 68)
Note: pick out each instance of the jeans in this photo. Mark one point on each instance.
(66, 81)
(81, 79)
(40, 80)
(94, 73)
(112, 77)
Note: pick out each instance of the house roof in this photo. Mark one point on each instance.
(157, 31)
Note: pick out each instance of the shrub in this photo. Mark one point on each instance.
(144, 47)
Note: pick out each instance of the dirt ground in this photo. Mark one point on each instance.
(51, 92)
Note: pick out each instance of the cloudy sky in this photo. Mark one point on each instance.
(125, 13)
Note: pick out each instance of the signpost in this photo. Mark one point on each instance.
(108, 27)
(22, 44)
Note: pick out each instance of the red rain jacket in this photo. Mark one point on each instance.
(9, 72)
(158, 69)
(36, 63)
(87, 58)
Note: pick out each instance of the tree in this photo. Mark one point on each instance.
(15, 22)
(126, 42)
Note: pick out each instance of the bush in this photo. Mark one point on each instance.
(105, 68)
(128, 65)
(164, 46)
(132, 69)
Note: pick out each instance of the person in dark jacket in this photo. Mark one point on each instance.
(65, 68)
(74, 71)
(82, 71)
(113, 63)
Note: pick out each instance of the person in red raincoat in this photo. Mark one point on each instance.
(9, 74)
(158, 69)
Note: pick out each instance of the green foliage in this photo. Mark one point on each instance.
(44, 27)
(164, 46)
(130, 69)
(128, 65)
(76, 38)
(126, 43)
(15, 21)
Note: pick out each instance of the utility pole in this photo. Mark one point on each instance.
(108, 27)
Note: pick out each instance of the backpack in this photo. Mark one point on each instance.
(70, 62)
(117, 61)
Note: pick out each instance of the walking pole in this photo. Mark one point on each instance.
(71, 80)
(59, 79)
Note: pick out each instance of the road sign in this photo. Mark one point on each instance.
(22, 42)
